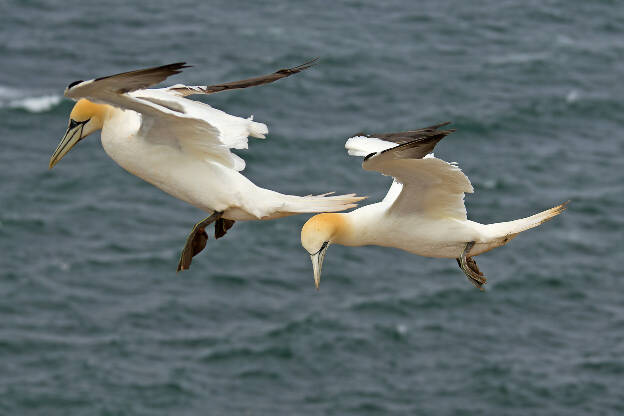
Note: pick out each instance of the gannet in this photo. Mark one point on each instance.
(183, 147)
(423, 212)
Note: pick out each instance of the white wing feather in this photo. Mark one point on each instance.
(167, 118)
(364, 146)
(431, 186)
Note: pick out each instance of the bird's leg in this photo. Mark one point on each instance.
(469, 267)
(196, 241)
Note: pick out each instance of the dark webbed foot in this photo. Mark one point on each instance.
(196, 241)
(222, 226)
(199, 242)
(470, 268)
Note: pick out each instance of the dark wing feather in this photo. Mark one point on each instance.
(129, 81)
(411, 135)
(143, 78)
(245, 83)
(422, 145)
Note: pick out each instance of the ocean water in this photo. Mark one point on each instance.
(95, 321)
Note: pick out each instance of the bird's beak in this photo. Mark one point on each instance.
(72, 136)
(317, 263)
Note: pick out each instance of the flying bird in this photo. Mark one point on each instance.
(183, 147)
(423, 212)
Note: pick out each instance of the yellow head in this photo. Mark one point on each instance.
(86, 117)
(317, 234)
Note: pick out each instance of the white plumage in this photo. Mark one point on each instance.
(364, 146)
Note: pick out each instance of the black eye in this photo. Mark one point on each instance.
(72, 123)
(74, 83)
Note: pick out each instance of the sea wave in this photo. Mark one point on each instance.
(8, 92)
(518, 58)
(36, 104)
(572, 96)
(23, 100)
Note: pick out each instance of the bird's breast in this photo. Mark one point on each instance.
(119, 134)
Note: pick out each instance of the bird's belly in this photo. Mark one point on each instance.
(428, 247)
(445, 238)
(203, 184)
(436, 249)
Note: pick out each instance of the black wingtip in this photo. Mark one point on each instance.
(445, 132)
(434, 129)
(177, 66)
(298, 68)
(309, 63)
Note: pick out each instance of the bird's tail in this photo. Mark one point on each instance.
(505, 231)
(321, 203)
(291, 204)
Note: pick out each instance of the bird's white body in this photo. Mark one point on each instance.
(440, 237)
(183, 146)
(205, 184)
(423, 212)
(446, 237)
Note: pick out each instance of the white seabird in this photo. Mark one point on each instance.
(423, 212)
(183, 147)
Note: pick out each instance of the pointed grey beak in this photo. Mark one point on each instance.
(317, 263)
(72, 136)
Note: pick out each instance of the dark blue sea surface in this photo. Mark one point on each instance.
(95, 321)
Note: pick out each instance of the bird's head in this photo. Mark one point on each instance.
(317, 234)
(86, 117)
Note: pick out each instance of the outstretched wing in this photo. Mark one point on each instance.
(186, 90)
(428, 186)
(193, 127)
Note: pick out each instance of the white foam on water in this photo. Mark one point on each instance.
(36, 104)
(572, 96)
(8, 93)
(401, 329)
(489, 183)
(25, 100)
(518, 58)
(562, 39)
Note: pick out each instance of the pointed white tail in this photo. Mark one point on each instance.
(320, 203)
(508, 230)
